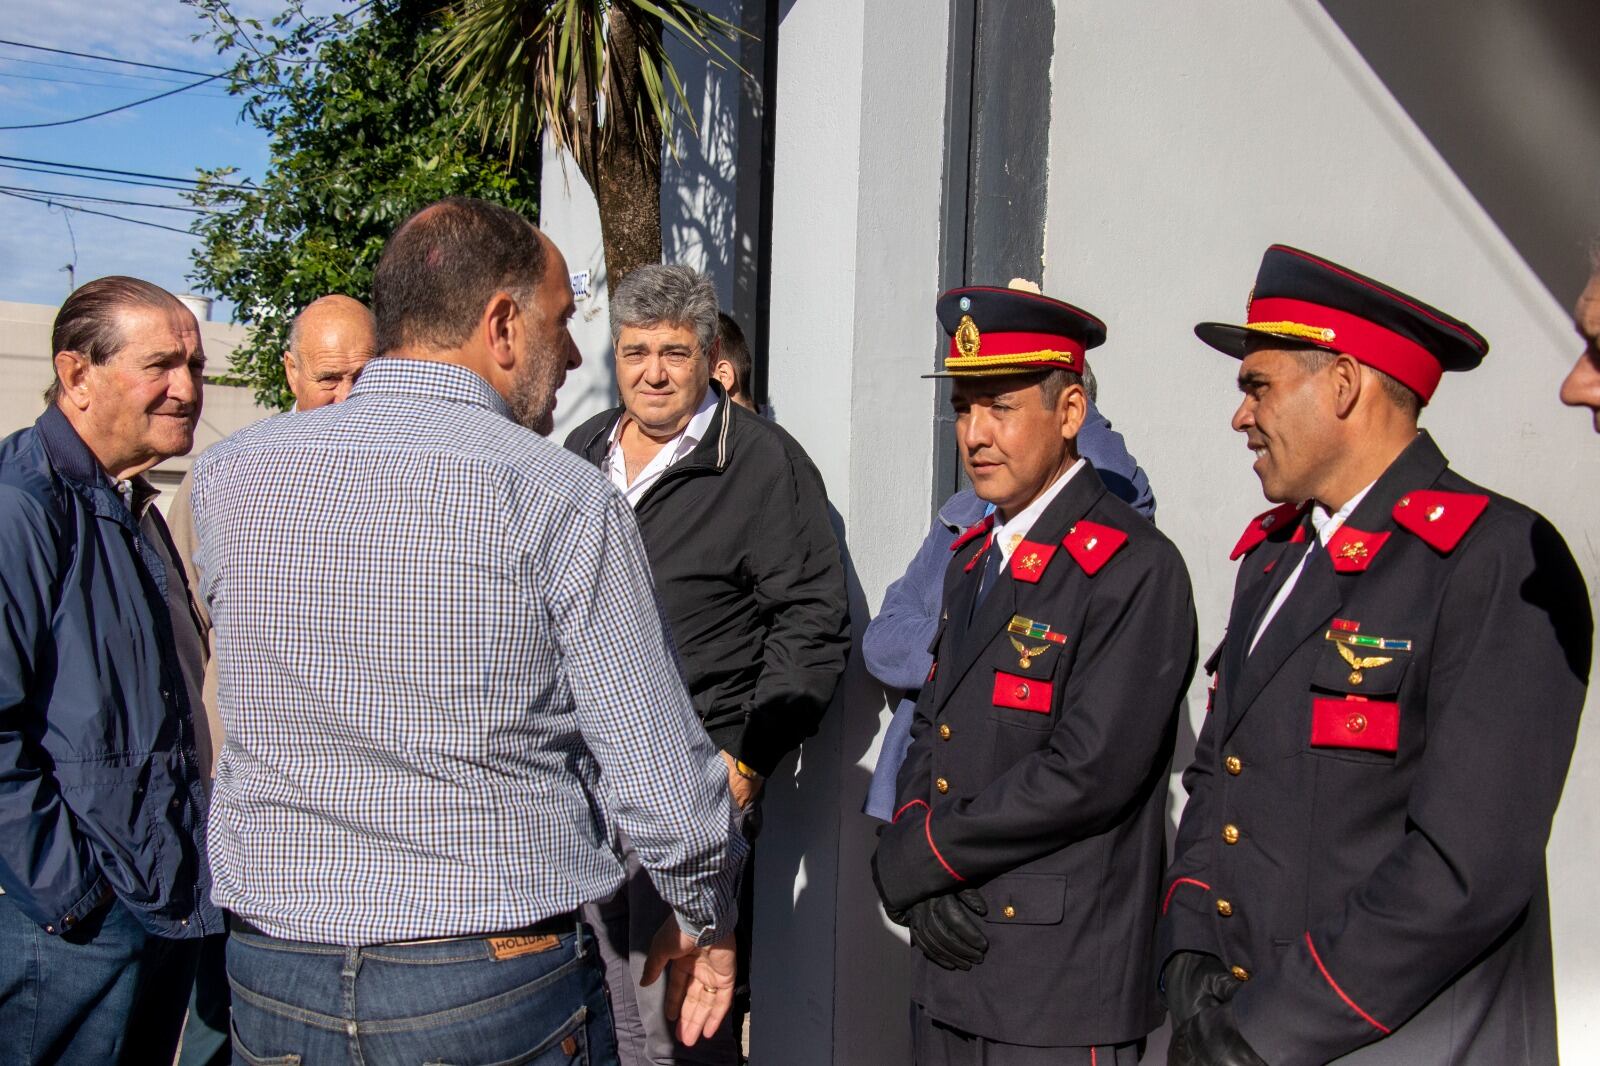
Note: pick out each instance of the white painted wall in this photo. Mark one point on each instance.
(1198, 135)
(860, 140)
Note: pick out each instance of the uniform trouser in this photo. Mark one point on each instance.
(935, 1044)
(625, 924)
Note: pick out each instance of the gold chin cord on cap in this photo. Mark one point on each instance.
(1320, 334)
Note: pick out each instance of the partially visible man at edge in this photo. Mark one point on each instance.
(733, 366)
(735, 520)
(330, 340)
(461, 678)
(1582, 386)
(102, 851)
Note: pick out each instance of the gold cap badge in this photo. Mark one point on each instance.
(968, 337)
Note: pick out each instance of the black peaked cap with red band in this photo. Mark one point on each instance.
(996, 331)
(1309, 301)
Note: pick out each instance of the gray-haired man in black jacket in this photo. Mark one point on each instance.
(735, 521)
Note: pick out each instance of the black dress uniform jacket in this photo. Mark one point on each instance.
(1038, 773)
(1365, 833)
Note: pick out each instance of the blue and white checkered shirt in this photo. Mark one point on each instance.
(444, 677)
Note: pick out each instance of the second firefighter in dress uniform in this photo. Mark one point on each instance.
(1027, 847)
(1359, 872)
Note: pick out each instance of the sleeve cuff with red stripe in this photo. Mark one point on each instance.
(910, 865)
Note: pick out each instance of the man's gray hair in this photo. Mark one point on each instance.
(660, 294)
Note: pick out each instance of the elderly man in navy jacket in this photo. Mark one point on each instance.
(101, 859)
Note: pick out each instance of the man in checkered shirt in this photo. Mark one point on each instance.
(446, 684)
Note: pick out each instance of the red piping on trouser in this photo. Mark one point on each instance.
(1370, 1020)
(1174, 887)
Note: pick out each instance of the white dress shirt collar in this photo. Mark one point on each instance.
(1009, 534)
(676, 448)
(1325, 525)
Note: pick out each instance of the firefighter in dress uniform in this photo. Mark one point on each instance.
(1359, 871)
(1027, 848)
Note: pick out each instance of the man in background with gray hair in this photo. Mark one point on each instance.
(747, 569)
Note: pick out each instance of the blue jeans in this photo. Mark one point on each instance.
(108, 992)
(205, 1034)
(477, 1002)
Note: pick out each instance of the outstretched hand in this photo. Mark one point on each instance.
(699, 984)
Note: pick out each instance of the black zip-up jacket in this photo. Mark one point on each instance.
(747, 569)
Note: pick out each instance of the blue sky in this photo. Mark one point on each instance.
(198, 128)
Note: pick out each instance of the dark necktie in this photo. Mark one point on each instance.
(1288, 565)
(989, 575)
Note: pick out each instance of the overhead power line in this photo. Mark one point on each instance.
(91, 211)
(53, 193)
(113, 170)
(107, 59)
(89, 84)
(81, 69)
(114, 110)
(99, 177)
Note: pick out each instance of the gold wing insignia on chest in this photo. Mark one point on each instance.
(1027, 654)
(1359, 663)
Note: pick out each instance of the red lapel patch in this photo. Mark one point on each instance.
(977, 529)
(1093, 545)
(1029, 560)
(1353, 549)
(1261, 527)
(1440, 518)
(976, 556)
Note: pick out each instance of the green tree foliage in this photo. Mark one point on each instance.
(595, 75)
(360, 138)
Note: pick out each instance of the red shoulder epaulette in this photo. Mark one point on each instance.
(977, 529)
(1439, 518)
(1262, 526)
(1093, 545)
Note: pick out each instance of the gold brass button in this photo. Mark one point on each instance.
(944, 732)
(1356, 723)
(1234, 765)
(1021, 692)
(1230, 834)
(942, 785)
(66, 923)
(1010, 911)
(1224, 908)
(1241, 974)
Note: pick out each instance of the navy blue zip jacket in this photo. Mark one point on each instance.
(100, 792)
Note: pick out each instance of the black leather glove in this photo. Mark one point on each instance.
(1193, 981)
(943, 928)
(1211, 1038)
